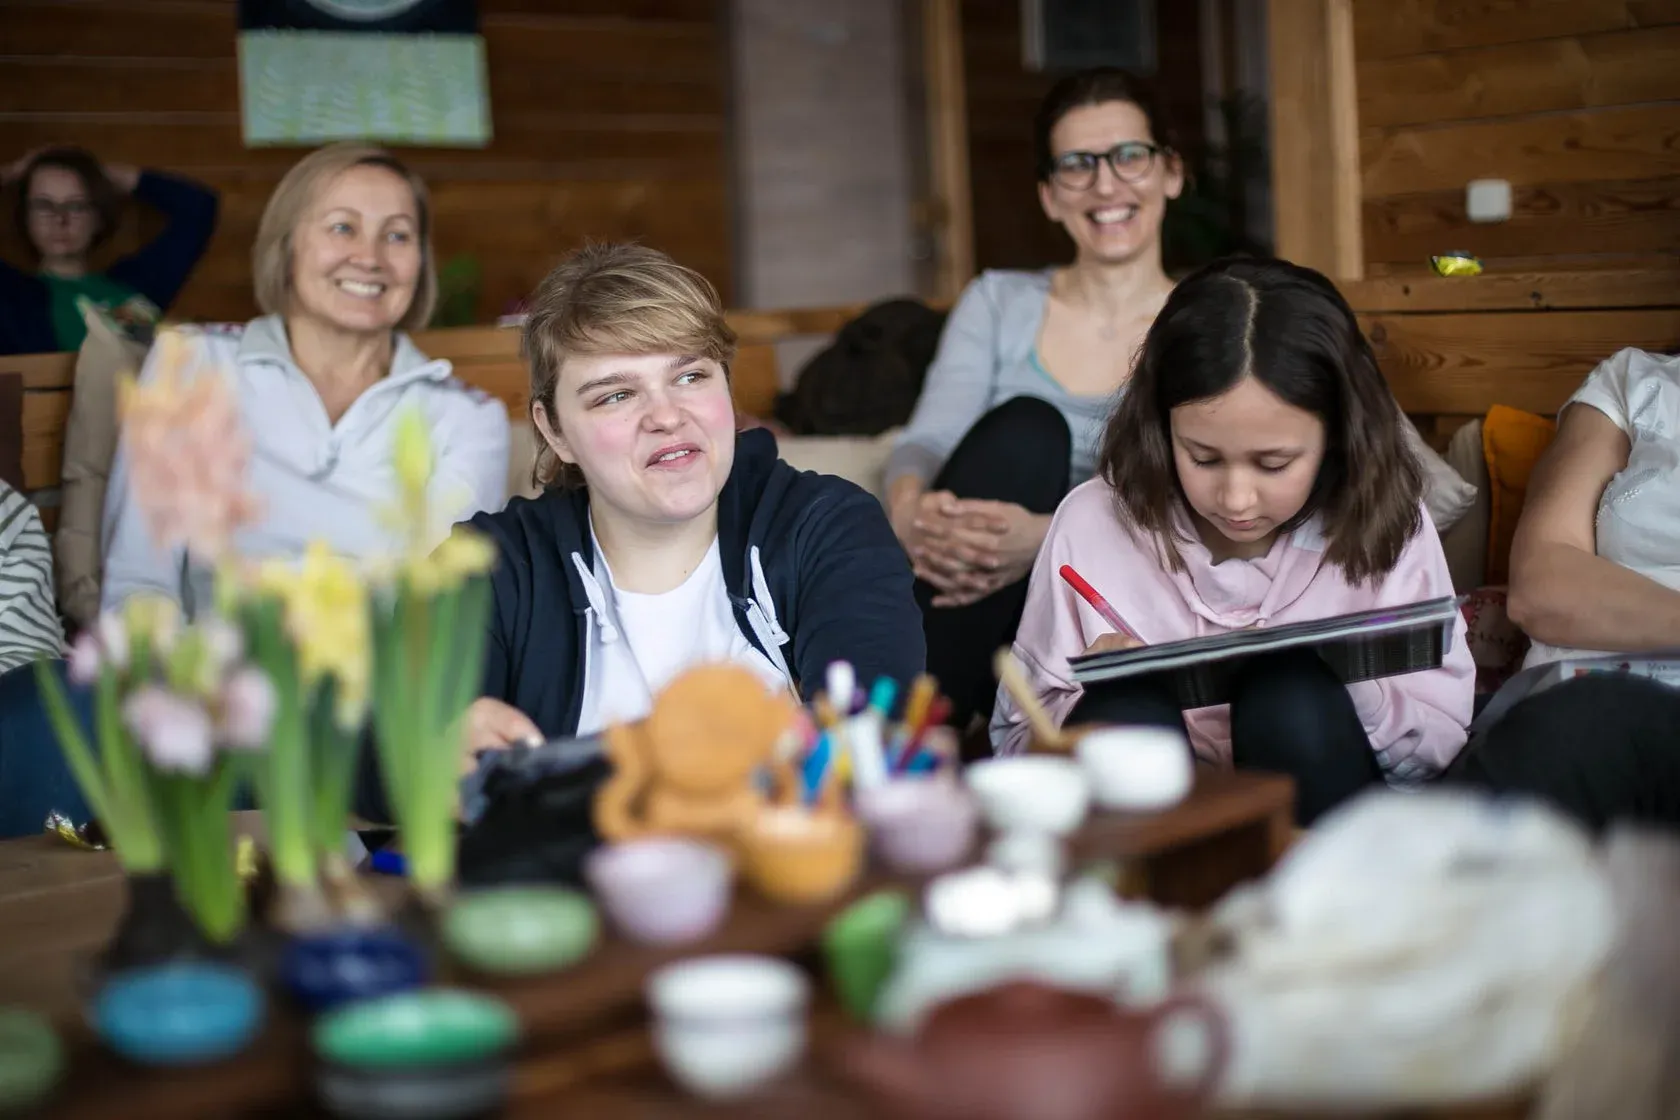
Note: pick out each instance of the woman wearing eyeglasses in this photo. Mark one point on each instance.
(68, 203)
(1013, 406)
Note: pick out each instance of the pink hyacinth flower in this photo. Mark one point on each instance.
(112, 636)
(247, 710)
(188, 455)
(173, 732)
(83, 660)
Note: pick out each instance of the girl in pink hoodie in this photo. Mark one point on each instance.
(1254, 474)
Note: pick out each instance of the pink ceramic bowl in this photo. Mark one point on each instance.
(662, 890)
(920, 825)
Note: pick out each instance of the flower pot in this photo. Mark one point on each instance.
(333, 967)
(154, 927)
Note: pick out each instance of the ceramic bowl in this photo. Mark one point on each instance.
(177, 1014)
(796, 856)
(861, 949)
(435, 1054)
(1137, 769)
(339, 966)
(31, 1060)
(662, 890)
(727, 1025)
(1031, 793)
(519, 931)
(919, 825)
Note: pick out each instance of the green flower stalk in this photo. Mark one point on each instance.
(309, 627)
(429, 623)
(173, 708)
(282, 774)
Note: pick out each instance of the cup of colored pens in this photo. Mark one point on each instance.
(854, 743)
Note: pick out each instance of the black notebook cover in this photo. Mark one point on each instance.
(1385, 642)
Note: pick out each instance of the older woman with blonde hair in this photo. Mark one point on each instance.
(343, 268)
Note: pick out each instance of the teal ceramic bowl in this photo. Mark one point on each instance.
(518, 931)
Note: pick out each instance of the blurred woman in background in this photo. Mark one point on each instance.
(68, 204)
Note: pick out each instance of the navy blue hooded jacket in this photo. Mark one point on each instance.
(809, 561)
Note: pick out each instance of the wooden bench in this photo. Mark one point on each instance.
(35, 389)
(1451, 348)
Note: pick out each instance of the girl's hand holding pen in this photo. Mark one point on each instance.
(1109, 643)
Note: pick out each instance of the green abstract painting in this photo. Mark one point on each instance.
(311, 87)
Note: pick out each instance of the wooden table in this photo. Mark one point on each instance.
(584, 1027)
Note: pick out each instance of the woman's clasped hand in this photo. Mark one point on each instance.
(967, 548)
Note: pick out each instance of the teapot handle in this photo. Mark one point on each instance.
(1215, 1029)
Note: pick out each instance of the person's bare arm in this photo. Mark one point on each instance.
(1562, 592)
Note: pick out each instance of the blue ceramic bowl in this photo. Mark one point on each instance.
(183, 1013)
(325, 970)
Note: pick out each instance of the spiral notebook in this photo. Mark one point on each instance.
(1385, 642)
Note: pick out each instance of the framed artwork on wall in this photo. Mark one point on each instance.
(409, 72)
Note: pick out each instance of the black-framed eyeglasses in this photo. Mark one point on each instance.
(1130, 160)
(47, 209)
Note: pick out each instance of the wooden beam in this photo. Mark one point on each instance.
(1462, 364)
(1315, 136)
(952, 216)
(1521, 291)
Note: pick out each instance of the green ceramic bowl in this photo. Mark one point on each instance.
(31, 1059)
(861, 948)
(434, 1027)
(517, 931)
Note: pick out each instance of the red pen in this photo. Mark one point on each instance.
(1092, 596)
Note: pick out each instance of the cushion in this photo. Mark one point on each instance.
(90, 442)
(1497, 645)
(1446, 495)
(859, 459)
(1512, 442)
(1466, 543)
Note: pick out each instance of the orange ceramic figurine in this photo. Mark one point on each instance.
(687, 769)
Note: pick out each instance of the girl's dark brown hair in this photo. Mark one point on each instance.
(1098, 85)
(102, 194)
(1290, 329)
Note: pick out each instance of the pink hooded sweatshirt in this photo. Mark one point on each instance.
(1416, 722)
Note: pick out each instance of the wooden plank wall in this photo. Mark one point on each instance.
(1010, 230)
(1576, 102)
(609, 118)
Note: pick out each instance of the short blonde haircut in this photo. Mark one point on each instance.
(616, 299)
(271, 256)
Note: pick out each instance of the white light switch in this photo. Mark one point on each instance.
(1488, 200)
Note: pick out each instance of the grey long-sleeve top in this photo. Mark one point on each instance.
(988, 354)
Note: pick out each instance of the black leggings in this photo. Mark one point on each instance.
(1018, 452)
(1290, 714)
(1600, 748)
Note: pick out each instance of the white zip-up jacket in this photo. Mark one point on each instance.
(317, 479)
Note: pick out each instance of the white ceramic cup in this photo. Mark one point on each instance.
(1031, 793)
(727, 1025)
(1136, 769)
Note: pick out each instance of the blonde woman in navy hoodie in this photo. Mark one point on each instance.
(664, 538)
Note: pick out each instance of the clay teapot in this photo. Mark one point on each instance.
(1028, 1051)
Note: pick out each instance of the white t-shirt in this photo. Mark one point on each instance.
(1638, 523)
(647, 640)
